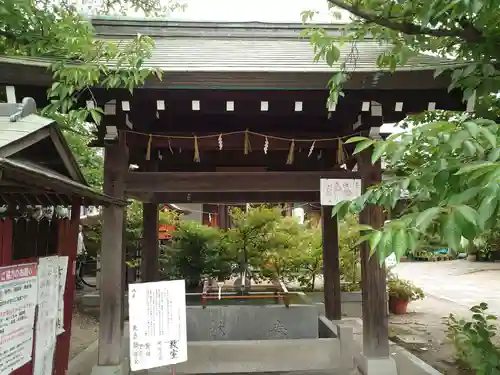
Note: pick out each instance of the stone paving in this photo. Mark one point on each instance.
(459, 281)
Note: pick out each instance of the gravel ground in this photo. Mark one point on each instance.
(84, 331)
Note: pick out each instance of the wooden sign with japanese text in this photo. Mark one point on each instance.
(333, 191)
(157, 321)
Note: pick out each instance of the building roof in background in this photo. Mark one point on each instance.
(244, 46)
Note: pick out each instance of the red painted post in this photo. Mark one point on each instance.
(67, 246)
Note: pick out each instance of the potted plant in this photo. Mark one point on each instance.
(402, 292)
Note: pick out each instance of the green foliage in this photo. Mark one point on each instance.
(349, 235)
(450, 173)
(465, 30)
(55, 33)
(199, 252)
(89, 159)
(473, 341)
(309, 261)
(169, 217)
(251, 234)
(284, 243)
(79, 61)
(403, 289)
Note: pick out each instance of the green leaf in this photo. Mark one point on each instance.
(378, 151)
(362, 239)
(362, 227)
(356, 139)
(332, 55)
(487, 208)
(400, 243)
(475, 166)
(384, 245)
(468, 213)
(96, 116)
(494, 155)
(425, 218)
(490, 137)
(363, 145)
(465, 196)
(341, 209)
(452, 232)
(375, 237)
(469, 148)
(471, 127)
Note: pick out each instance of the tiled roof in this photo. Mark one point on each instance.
(239, 47)
(244, 46)
(201, 54)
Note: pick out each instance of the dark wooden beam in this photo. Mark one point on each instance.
(373, 275)
(331, 264)
(112, 257)
(229, 181)
(232, 197)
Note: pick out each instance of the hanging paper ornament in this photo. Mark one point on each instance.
(311, 149)
(157, 114)
(170, 146)
(247, 146)
(320, 154)
(220, 142)
(160, 156)
(266, 146)
(341, 155)
(148, 149)
(128, 122)
(291, 152)
(196, 157)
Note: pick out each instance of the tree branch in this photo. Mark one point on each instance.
(468, 34)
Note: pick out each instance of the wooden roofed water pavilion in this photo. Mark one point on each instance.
(240, 116)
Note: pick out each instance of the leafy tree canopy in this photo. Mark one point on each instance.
(56, 32)
(465, 30)
(447, 166)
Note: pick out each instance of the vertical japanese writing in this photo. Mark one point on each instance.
(174, 348)
(157, 324)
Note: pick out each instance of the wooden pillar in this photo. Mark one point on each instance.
(112, 262)
(331, 264)
(223, 219)
(124, 268)
(67, 246)
(373, 275)
(150, 247)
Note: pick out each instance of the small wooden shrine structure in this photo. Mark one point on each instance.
(37, 175)
(241, 116)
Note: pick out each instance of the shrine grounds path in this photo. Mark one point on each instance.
(450, 287)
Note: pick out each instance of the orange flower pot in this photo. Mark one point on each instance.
(398, 306)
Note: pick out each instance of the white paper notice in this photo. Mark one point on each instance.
(333, 191)
(18, 296)
(63, 271)
(48, 295)
(157, 324)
